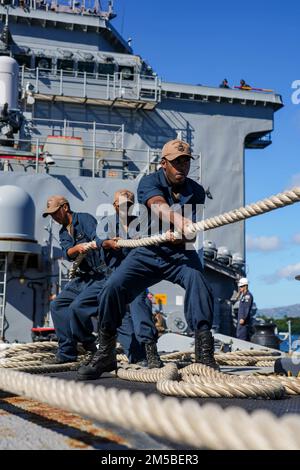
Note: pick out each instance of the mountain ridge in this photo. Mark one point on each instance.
(280, 312)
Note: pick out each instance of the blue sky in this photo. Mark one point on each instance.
(203, 42)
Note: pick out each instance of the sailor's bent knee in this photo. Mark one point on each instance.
(53, 306)
(113, 286)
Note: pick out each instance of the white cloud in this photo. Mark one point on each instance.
(295, 181)
(296, 238)
(263, 243)
(287, 272)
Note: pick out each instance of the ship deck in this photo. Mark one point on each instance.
(277, 407)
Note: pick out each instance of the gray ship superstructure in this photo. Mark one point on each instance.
(83, 116)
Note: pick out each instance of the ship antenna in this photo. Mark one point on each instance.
(6, 18)
(111, 8)
(97, 6)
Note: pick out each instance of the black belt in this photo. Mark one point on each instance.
(91, 273)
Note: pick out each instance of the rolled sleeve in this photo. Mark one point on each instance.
(65, 246)
(106, 229)
(148, 188)
(89, 223)
(90, 228)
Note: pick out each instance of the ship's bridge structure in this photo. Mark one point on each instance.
(95, 117)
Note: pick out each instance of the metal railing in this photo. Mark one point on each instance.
(95, 161)
(58, 82)
(108, 136)
(82, 148)
(70, 7)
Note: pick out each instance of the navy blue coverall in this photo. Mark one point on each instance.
(141, 307)
(77, 303)
(146, 266)
(244, 313)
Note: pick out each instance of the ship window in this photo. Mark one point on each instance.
(23, 60)
(87, 67)
(106, 69)
(127, 72)
(43, 63)
(63, 64)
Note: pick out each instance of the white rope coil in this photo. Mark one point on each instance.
(39, 368)
(149, 375)
(28, 347)
(253, 352)
(181, 422)
(291, 384)
(33, 361)
(186, 422)
(245, 352)
(203, 381)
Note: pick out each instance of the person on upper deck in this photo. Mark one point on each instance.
(224, 84)
(244, 85)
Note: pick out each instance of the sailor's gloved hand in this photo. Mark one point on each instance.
(242, 321)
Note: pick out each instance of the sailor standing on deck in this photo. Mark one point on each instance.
(139, 315)
(73, 309)
(172, 262)
(244, 312)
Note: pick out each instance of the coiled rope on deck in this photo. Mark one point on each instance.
(14, 349)
(186, 422)
(33, 357)
(196, 379)
(201, 381)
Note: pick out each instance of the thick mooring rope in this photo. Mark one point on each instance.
(257, 208)
(76, 263)
(186, 422)
(260, 207)
(197, 380)
(202, 381)
(35, 354)
(236, 358)
(32, 357)
(39, 346)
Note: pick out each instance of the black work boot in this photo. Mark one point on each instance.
(104, 359)
(204, 349)
(152, 355)
(90, 347)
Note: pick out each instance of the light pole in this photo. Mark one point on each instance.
(289, 322)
